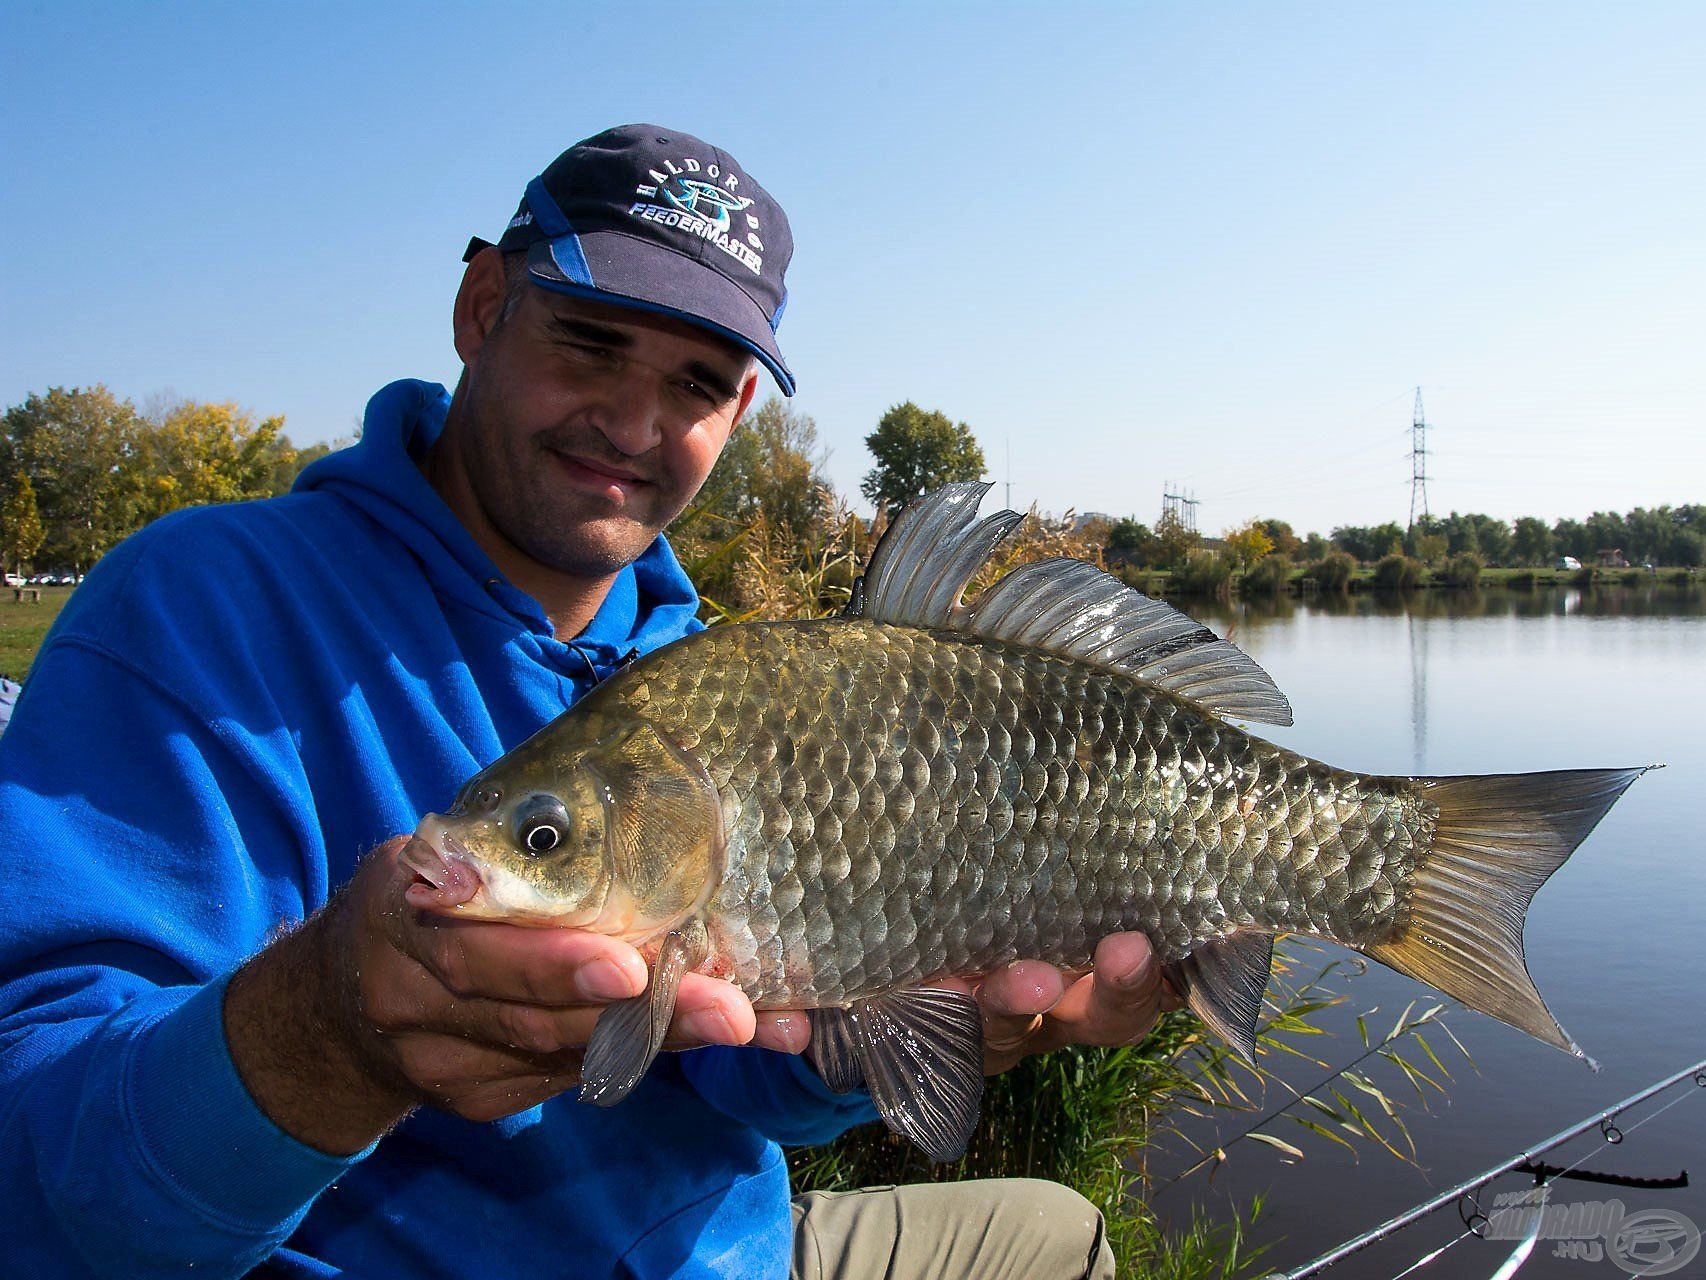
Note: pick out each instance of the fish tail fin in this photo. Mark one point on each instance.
(1496, 840)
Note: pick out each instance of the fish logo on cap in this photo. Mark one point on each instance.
(702, 206)
(701, 198)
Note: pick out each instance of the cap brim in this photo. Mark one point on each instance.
(611, 267)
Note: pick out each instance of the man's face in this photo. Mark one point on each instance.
(588, 427)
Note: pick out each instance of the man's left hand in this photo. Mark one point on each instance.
(1032, 1007)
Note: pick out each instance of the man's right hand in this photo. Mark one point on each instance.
(374, 1007)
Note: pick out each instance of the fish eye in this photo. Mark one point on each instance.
(541, 823)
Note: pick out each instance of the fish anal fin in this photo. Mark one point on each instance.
(1496, 840)
(936, 546)
(629, 1033)
(920, 1052)
(1223, 981)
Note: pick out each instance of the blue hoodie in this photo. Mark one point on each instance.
(236, 704)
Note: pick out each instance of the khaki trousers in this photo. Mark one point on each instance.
(994, 1229)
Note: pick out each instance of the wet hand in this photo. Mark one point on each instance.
(1033, 1007)
(407, 1005)
(490, 1018)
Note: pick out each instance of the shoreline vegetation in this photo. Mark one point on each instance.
(1301, 580)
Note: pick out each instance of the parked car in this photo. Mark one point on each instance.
(1567, 562)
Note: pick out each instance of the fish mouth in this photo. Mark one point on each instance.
(449, 871)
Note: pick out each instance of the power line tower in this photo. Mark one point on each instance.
(1418, 462)
(1181, 506)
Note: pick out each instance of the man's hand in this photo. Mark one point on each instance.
(1032, 1007)
(375, 1006)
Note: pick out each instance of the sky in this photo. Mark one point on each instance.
(1214, 246)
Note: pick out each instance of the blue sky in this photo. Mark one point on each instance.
(1211, 244)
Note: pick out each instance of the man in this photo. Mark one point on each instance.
(229, 1039)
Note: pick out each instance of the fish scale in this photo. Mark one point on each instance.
(1006, 802)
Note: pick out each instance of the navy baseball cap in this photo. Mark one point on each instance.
(657, 219)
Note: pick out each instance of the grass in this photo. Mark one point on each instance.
(1090, 1118)
(24, 626)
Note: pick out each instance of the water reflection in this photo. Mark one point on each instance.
(1658, 599)
(1491, 681)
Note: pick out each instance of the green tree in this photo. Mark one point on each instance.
(1531, 542)
(1175, 540)
(1571, 538)
(1132, 542)
(917, 450)
(772, 465)
(1606, 531)
(1369, 542)
(21, 531)
(78, 447)
(1285, 540)
(287, 462)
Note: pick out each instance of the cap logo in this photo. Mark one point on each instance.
(709, 202)
(701, 208)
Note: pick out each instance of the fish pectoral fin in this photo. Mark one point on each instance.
(921, 1055)
(832, 1052)
(1223, 980)
(629, 1034)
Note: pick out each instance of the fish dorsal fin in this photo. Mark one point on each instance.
(936, 546)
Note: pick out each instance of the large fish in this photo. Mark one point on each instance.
(832, 813)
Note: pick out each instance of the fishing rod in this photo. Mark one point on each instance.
(1603, 1118)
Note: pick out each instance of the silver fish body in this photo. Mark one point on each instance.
(904, 803)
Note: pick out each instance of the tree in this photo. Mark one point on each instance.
(78, 446)
(1532, 541)
(772, 465)
(1286, 542)
(917, 450)
(1175, 540)
(1132, 542)
(1571, 538)
(1247, 544)
(1366, 543)
(201, 453)
(21, 531)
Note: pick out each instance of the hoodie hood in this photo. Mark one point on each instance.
(650, 603)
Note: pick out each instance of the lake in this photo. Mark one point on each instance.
(1492, 682)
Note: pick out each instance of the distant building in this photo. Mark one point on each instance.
(1612, 558)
